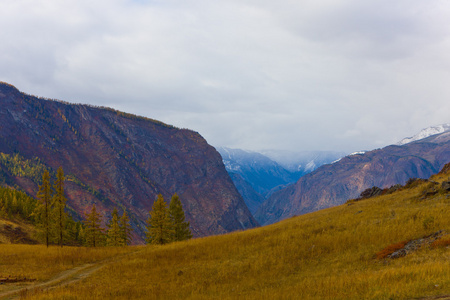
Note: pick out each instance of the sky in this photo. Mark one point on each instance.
(332, 75)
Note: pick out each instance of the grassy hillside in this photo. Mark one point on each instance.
(328, 254)
(16, 232)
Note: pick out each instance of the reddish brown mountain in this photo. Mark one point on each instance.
(335, 183)
(116, 159)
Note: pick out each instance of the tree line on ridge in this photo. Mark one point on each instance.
(56, 227)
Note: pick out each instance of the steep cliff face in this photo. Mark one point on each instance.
(335, 183)
(117, 159)
(252, 198)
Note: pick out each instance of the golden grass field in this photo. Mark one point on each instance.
(328, 254)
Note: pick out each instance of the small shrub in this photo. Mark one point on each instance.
(390, 249)
(392, 189)
(441, 243)
(371, 192)
(414, 182)
(429, 190)
(445, 169)
(428, 223)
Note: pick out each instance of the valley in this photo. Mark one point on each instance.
(225, 150)
(258, 175)
(360, 226)
(328, 254)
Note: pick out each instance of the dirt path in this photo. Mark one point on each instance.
(64, 278)
(442, 297)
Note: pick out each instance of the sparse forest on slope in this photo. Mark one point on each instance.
(115, 159)
(343, 252)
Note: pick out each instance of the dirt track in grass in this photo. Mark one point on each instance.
(62, 279)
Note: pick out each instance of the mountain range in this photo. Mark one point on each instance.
(115, 159)
(257, 175)
(333, 184)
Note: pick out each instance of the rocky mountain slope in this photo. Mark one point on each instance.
(257, 175)
(426, 132)
(114, 159)
(303, 162)
(251, 197)
(335, 183)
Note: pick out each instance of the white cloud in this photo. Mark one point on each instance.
(330, 75)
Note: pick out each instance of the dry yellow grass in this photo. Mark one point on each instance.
(16, 231)
(37, 263)
(329, 254)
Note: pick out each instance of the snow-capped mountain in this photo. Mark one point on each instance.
(303, 161)
(333, 184)
(261, 172)
(424, 133)
(269, 171)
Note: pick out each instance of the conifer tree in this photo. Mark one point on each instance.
(59, 204)
(181, 229)
(2, 208)
(125, 229)
(159, 225)
(44, 195)
(93, 231)
(81, 238)
(114, 234)
(70, 231)
(14, 205)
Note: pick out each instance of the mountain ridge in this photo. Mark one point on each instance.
(426, 132)
(116, 158)
(335, 183)
(257, 175)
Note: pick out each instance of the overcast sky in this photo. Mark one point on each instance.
(341, 75)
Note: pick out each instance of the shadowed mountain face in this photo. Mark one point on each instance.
(252, 198)
(256, 176)
(335, 183)
(114, 159)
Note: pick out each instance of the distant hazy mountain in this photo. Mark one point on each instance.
(303, 161)
(333, 184)
(257, 176)
(251, 197)
(262, 173)
(424, 133)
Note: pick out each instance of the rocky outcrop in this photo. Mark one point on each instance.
(335, 183)
(114, 159)
(416, 244)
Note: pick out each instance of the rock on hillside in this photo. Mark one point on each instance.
(335, 183)
(114, 159)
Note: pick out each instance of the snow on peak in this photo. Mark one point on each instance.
(424, 133)
(357, 153)
(311, 166)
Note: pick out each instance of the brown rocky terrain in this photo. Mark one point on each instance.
(335, 183)
(115, 159)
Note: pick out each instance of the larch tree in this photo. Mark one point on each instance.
(43, 211)
(114, 234)
(59, 204)
(159, 225)
(93, 231)
(125, 229)
(181, 231)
